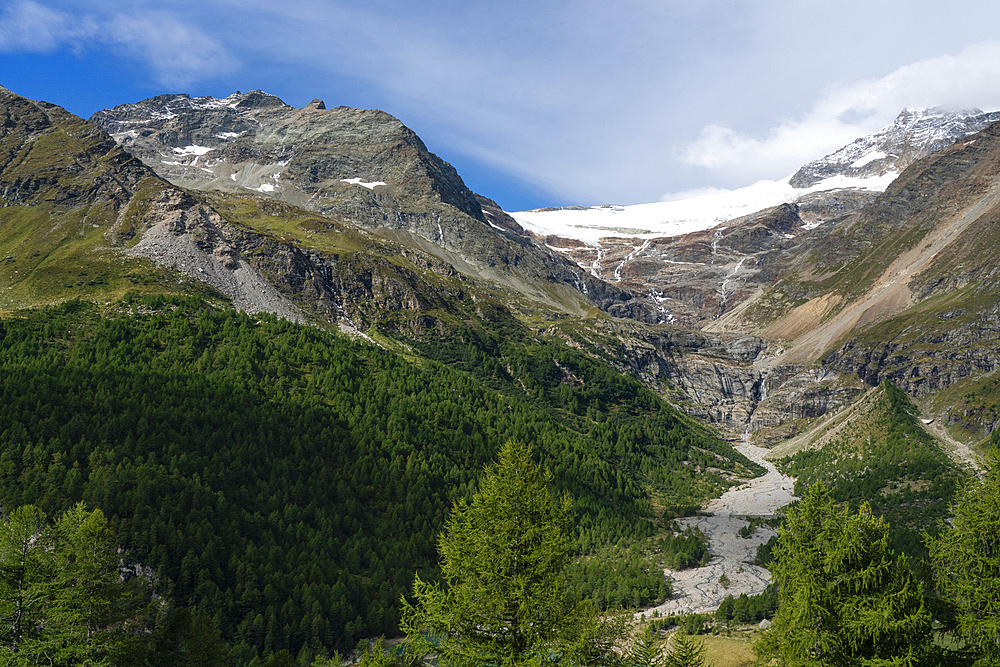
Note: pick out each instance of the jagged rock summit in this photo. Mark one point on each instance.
(332, 159)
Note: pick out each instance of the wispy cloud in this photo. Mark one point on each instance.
(27, 26)
(590, 101)
(850, 110)
(177, 52)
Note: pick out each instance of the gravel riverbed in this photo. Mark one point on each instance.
(697, 590)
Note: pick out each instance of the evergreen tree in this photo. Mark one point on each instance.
(646, 650)
(503, 599)
(187, 639)
(62, 599)
(966, 558)
(685, 651)
(844, 597)
(90, 602)
(26, 563)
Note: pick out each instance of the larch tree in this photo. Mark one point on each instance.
(966, 559)
(502, 599)
(26, 565)
(844, 597)
(62, 599)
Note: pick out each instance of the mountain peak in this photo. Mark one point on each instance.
(913, 134)
(256, 99)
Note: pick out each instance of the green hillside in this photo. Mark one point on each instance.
(288, 482)
(879, 453)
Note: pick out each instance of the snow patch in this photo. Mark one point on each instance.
(265, 187)
(371, 185)
(193, 150)
(868, 159)
(228, 135)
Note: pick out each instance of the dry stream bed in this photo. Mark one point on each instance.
(698, 590)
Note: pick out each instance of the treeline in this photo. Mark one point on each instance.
(287, 483)
(620, 416)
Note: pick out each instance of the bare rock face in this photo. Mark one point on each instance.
(358, 164)
(199, 243)
(60, 169)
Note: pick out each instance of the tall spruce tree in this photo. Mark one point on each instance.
(844, 597)
(502, 599)
(62, 599)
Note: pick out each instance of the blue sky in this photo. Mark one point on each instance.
(539, 103)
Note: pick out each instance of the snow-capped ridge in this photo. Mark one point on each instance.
(682, 216)
(869, 163)
(913, 134)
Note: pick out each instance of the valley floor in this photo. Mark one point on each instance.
(698, 590)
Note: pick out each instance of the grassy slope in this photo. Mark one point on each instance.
(71, 197)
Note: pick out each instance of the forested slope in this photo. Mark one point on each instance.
(881, 455)
(289, 482)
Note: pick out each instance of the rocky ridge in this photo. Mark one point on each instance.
(362, 168)
(103, 212)
(915, 133)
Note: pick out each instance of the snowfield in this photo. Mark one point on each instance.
(675, 218)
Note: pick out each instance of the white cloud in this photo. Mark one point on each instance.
(177, 52)
(590, 101)
(847, 111)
